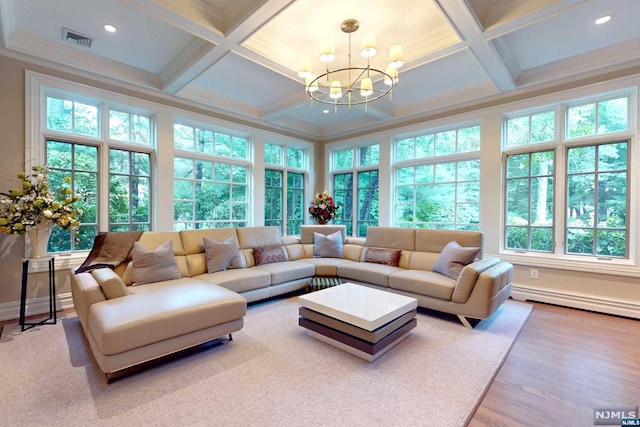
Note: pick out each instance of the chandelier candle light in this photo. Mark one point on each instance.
(351, 85)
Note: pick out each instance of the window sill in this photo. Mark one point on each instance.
(613, 266)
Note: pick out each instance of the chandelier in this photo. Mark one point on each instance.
(353, 85)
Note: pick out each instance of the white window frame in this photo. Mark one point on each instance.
(285, 168)
(558, 259)
(37, 87)
(434, 160)
(354, 169)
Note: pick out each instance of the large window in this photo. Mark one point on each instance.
(437, 180)
(78, 143)
(529, 201)
(284, 187)
(199, 140)
(209, 194)
(273, 194)
(355, 187)
(130, 190)
(585, 168)
(295, 202)
(80, 163)
(210, 190)
(597, 207)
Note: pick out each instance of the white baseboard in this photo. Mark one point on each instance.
(34, 306)
(589, 302)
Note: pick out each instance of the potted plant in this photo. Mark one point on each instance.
(323, 208)
(35, 208)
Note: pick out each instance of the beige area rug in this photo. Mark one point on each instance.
(272, 374)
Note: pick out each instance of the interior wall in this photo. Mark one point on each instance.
(11, 163)
(566, 287)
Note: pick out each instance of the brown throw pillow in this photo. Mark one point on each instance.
(383, 256)
(222, 255)
(453, 258)
(153, 266)
(269, 254)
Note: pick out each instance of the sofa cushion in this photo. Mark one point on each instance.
(111, 284)
(269, 254)
(253, 237)
(222, 255)
(157, 265)
(238, 280)
(326, 267)
(391, 237)
(453, 258)
(423, 283)
(307, 231)
(282, 272)
(382, 256)
(328, 246)
(429, 240)
(376, 274)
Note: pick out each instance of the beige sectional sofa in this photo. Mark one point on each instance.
(157, 319)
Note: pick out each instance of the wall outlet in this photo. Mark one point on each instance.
(533, 273)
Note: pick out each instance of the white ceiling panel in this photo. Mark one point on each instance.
(141, 41)
(574, 33)
(236, 77)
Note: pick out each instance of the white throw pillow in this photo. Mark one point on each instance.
(153, 266)
(222, 255)
(328, 246)
(453, 258)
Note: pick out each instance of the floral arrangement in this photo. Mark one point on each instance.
(323, 208)
(35, 202)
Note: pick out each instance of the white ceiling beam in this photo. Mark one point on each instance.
(185, 68)
(469, 30)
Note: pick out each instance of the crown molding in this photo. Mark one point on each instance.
(74, 57)
(596, 62)
(211, 100)
(188, 64)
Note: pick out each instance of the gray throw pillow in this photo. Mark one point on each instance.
(222, 255)
(153, 266)
(453, 258)
(328, 246)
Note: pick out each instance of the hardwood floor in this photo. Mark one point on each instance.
(564, 364)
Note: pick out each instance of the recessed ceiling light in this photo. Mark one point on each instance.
(110, 28)
(325, 111)
(603, 19)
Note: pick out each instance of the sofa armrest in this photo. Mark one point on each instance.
(469, 276)
(85, 291)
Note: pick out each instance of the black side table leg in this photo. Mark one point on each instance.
(53, 315)
(52, 290)
(23, 293)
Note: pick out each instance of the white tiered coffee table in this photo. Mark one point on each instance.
(363, 321)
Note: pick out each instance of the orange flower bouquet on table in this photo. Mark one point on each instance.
(323, 208)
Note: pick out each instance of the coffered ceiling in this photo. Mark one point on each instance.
(239, 59)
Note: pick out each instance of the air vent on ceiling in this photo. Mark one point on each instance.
(75, 37)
